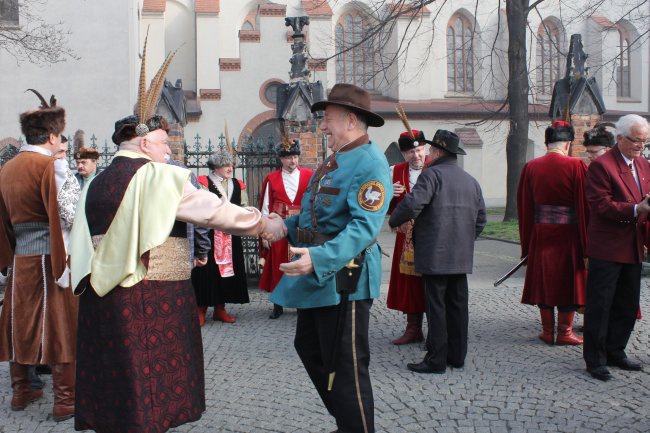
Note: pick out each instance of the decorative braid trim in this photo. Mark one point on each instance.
(356, 368)
(13, 290)
(44, 307)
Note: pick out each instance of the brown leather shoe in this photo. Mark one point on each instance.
(23, 394)
(63, 378)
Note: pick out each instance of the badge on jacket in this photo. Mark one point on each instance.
(371, 196)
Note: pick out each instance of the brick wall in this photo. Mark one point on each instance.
(582, 123)
(176, 138)
(311, 142)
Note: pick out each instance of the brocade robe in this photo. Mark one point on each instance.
(140, 354)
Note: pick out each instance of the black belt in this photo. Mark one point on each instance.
(308, 236)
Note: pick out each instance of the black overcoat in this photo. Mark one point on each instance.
(449, 212)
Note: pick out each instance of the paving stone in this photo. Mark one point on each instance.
(511, 381)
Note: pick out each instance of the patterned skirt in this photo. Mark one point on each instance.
(139, 359)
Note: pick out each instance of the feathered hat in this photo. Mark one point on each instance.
(220, 158)
(560, 130)
(603, 134)
(286, 146)
(226, 155)
(144, 120)
(37, 125)
(411, 138)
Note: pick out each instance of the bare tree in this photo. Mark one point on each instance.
(385, 13)
(26, 36)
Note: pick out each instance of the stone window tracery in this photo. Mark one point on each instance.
(460, 58)
(355, 61)
(549, 57)
(623, 71)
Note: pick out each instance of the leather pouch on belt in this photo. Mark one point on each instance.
(347, 278)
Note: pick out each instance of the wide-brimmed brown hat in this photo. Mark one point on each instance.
(353, 98)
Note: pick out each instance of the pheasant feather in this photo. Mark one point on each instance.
(404, 119)
(156, 86)
(142, 85)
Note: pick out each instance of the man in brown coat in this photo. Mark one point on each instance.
(38, 323)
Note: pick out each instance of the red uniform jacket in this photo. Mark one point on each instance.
(405, 292)
(614, 233)
(279, 203)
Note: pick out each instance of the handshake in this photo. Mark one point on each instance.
(274, 228)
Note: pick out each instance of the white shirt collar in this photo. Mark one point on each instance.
(293, 173)
(216, 177)
(35, 148)
(627, 161)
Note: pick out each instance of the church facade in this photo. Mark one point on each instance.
(233, 54)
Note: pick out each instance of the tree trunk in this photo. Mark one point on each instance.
(517, 141)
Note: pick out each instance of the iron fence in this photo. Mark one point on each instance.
(106, 153)
(255, 158)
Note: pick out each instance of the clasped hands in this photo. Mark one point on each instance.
(274, 228)
(643, 206)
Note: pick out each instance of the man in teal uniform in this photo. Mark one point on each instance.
(341, 215)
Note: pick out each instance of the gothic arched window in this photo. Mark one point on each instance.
(9, 15)
(355, 59)
(549, 57)
(460, 59)
(623, 72)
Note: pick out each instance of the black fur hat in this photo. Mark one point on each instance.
(603, 134)
(559, 131)
(288, 148)
(406, 141)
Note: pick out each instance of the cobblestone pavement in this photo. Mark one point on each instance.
(511, 382)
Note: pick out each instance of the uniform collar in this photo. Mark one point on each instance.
(364, 139)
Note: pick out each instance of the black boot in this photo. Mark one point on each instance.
(43, 369)
(277, 311)
(35, 379)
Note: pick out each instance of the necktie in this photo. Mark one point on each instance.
(635, 175)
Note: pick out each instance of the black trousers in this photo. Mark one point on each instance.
(447, 317)
(613, 291)
(350, 401)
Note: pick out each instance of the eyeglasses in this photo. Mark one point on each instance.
(642, 141)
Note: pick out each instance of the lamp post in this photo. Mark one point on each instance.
(294, 99)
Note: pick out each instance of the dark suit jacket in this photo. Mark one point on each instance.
(449, 211)
(614, 234)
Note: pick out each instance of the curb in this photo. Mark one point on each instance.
(490, 238)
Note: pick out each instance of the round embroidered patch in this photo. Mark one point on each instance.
(371, 196)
